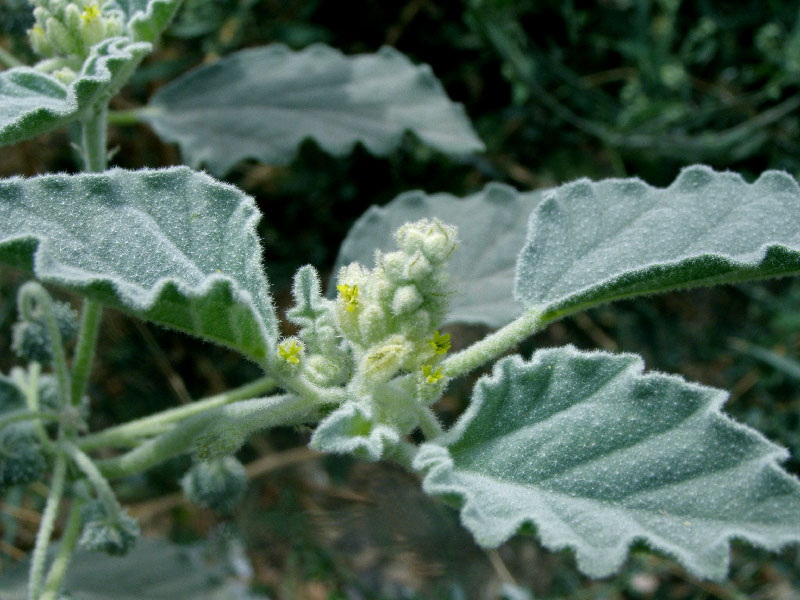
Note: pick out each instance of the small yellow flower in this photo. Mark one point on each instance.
(440, 343)
(91, 12)
(290, 354)
(349, 295)
(430, 375)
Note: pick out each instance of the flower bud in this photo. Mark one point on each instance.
(385, 360)
(406, 299)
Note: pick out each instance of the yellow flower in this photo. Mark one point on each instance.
(91, 12)
(440, 343)
(290, 354)
(349, 295)
(430, 375)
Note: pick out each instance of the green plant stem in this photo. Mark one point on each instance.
(46, 526)
(94, 139)
(125, 117)
(132, 432)
(66, 547)
(99, 483)
(28, 415)
(227, 426)
(33, 297)
(495, 344)
(84, 350)
(9, 60)
(429, 424)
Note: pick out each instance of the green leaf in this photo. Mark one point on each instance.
(351, 429)
(590, 243)
(146, 19)
(262, 103)
(597, 455)
(154, 570)
(491, 229)
(173, 246)
(32, 103)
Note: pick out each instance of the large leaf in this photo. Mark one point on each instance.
(172, 246)
(262, 103)
(597, 455)
(32, 103)
(590, 243)
(491, 230)
(154, 570)
(146, 19)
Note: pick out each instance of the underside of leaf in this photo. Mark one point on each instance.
(172, 246)
(590, 243)
(597, 455)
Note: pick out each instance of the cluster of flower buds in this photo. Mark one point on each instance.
(64, 33)
(390, 313)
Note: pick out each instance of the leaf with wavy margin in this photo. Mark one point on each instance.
(146, 19)
(590, 243)
(170, 246)
(351, 429)
(262, 103)
(491, 230)
(597, 455)
(32, 103)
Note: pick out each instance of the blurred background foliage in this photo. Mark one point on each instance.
(557, 89)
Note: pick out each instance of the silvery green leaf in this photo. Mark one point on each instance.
(146, 19)
(171, 246)
(491, 230)
(32, 103)
(262, 103)
(155, 569)
(596, 455)
(350, 429)
(590, 243)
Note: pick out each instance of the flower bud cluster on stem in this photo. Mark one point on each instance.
(65, 32)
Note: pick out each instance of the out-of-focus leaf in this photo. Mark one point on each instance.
(262, 103)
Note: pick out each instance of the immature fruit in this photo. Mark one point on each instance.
(218, 484)
(113, 532)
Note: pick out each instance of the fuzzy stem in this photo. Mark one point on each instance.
(429, 424)
(27, 415)
(32, 299)
(94, 136)
(95, 477)
(9, 60)
(46, 526)
(132, 432)
(495, 344)
(84, 350)
(125, 117)
(66, 547)
(232, 423)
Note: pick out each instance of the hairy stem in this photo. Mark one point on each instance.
(34, 299)
(132, 432)
(226, 426)
(94, 139)
(66, 547)
(125, 117)
(84, 350)
(95, 477)
(9, 60)
(495, 344)
(46, 526)
(27, 415)
(429, 424)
